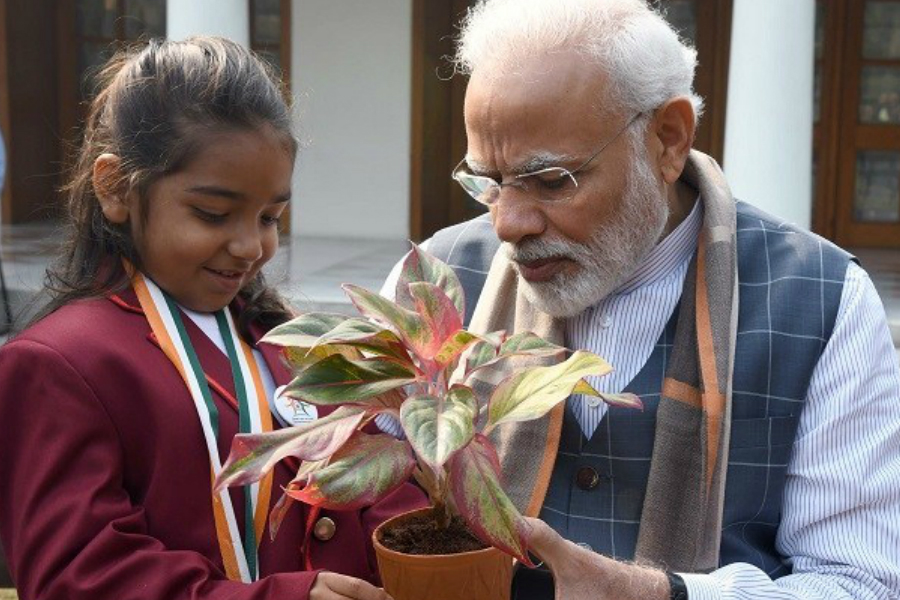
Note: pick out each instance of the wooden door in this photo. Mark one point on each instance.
(868, 167)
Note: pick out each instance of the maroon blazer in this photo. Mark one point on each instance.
(104, 473)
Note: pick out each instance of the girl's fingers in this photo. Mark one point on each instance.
(333, 586)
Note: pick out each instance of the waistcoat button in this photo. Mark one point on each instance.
(587, 478)
(324, 529)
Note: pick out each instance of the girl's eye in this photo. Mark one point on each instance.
(270, 221)
(208, 216)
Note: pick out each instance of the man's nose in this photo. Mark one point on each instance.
(515, 216)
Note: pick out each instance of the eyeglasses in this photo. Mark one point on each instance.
(550, 185)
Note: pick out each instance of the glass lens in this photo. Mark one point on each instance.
(482, 189)
(877, 187)
(549, 185)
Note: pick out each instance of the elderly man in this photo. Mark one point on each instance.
(767, 458)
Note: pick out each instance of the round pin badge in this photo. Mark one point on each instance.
(294, 411)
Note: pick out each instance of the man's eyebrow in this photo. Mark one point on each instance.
(214, 190)
(542, 160)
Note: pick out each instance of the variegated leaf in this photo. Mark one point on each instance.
(303, 331)
(456, 345)
(405, 323)
(481, 501)
(437, 427)
(530, 344)
(254, 455)
(623, 400)
(339, 380)
(364, 470)
(421, 266)
(279, 511)
(532, 392)
(299, 359)
(364, 335)
(438, 314)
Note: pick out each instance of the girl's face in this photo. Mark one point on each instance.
(212, 225)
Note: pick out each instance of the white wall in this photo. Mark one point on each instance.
(226, 18)
(769, 119)
(351, 77)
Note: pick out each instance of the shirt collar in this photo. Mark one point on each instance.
(673, 250)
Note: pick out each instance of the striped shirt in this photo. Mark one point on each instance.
(840, 526)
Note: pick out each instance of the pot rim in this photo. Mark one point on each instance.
(468, 555)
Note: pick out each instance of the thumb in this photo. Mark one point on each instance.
(543, 540)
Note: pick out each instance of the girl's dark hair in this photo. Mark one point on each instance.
(153, 106)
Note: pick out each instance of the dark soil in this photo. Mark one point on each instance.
(422, 536)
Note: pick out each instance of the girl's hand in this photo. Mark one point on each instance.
(332, 586)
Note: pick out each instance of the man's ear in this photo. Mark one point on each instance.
(110, 189)
(674, 128)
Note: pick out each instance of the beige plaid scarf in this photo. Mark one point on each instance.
(682, 514)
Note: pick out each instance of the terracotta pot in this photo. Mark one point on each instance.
(479, 575)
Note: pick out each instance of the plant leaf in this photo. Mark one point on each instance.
(253, 455)
(338, 380)
(623, 400)
(437, 427)
(456, 345)
(364, 470)
(440, 317)
(421, 266)
(481, 501)
(279, 511)
(303, 331)
(406, 323)
(531, 393)
(530, 344)
(364, 335)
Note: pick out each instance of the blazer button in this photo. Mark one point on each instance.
(324, 529)
(587, 478)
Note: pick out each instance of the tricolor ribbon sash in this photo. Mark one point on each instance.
(239, 556)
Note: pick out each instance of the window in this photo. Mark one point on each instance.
(270, 34)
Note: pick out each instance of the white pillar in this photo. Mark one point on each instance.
(769, 117)
(352, 83)
(225, 18)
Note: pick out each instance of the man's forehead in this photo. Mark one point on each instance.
(528, 163)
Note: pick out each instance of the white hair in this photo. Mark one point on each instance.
(642, 55)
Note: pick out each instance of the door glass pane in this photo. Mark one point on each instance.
(881, 33)
(145, 18)
(91, 57)
(266, 22)
(682, 15)
(877, 187)
(879, 95)
(96, 18)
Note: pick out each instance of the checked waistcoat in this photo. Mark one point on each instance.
(790, 284)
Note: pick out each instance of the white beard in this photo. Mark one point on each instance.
(614, 251)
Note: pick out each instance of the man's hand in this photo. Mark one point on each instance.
(580, 574)
(332, 586)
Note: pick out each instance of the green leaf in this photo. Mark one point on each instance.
(530, 344)
(421, 266)
(338, 380)
(406, 323)
(481, 501)
(364, 335)
(366, 469)
(531, 393)
(254, 455)
(623, 400)
(304, 331)
(437, 427)
(280, 510)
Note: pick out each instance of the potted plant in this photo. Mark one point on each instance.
(412, 359)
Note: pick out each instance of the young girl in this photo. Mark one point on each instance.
(119, 404)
